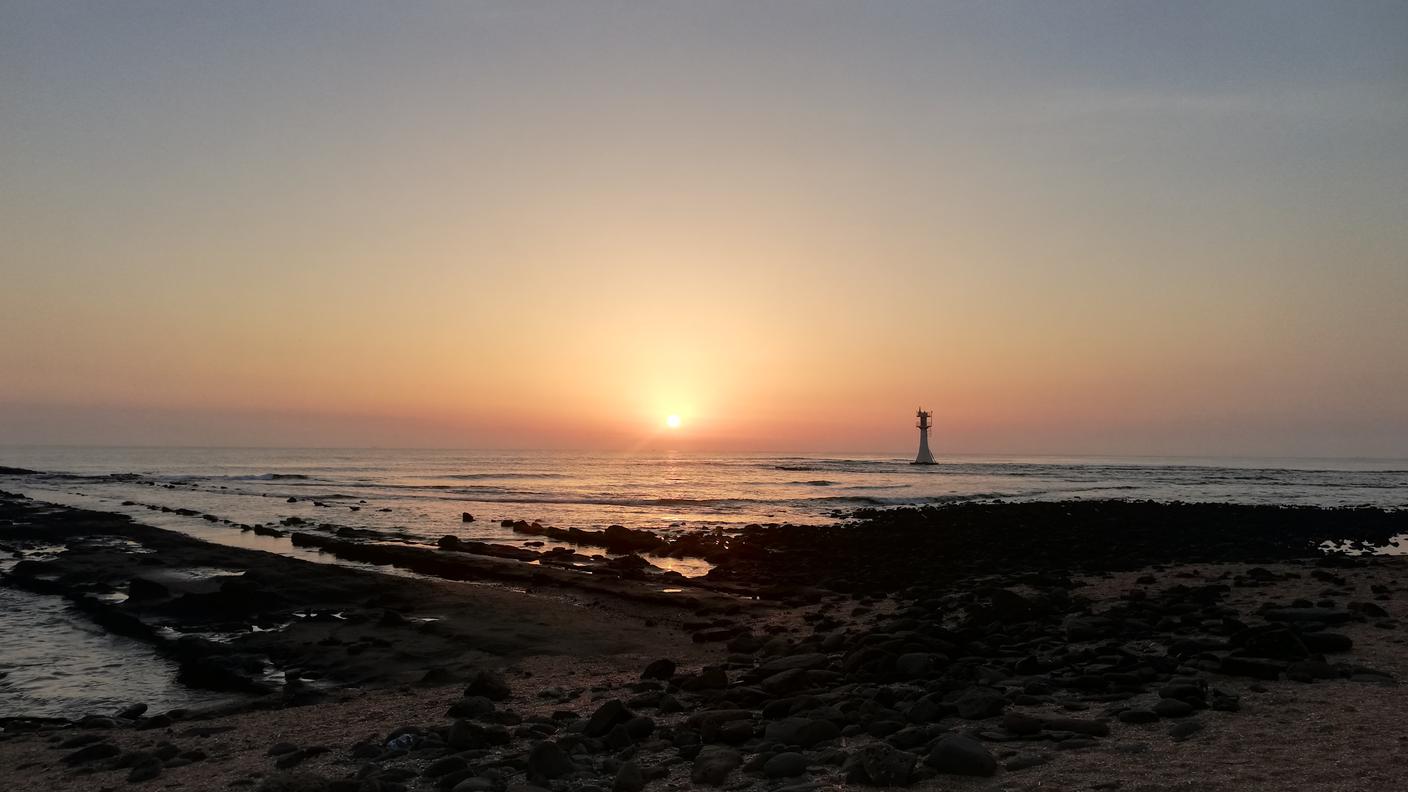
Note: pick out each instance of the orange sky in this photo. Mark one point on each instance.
(295, 226)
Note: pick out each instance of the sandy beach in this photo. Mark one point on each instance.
(809, 658)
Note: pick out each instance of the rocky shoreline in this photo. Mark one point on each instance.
(1018, 645)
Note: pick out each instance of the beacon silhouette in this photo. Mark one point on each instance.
(926, 457)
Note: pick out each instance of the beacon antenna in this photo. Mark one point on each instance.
(926, 457)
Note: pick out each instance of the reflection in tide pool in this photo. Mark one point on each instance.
(53, 656)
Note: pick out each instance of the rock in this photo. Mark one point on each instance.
(97, 722)
(713, 765)
(471, 707)
(445, 766)
(607, 717)
(806, 661)
(145, 771)
(1370, 609)
(79, 740)
(466, 517)
(1094, 728)
(1311, 614)
(547, 761)
(166, 751)
(461, 736)
(139, 588)
(1019, 723)
(1274, 641)
(132, 712)
(91, 753)
(785, 765)
(914, 664)
(281, 748)
(134, 758)
(1173, 708)
(959, 755)
(1004, 605)
(155, 722)
(659, 669)
(979, 703)
(290, 759)
(909, 737)
(1327, 643)
(710, 678)
(1224, 702)
(785, 682)
(1251, 667)
(1086, 628)
(804, 732)
(734, 732)
(436, 676)
(886, 766)
(1192, 693)
(1141, 715)
(639, 727)
(628, 778)
(489, 685)
(1185, 729)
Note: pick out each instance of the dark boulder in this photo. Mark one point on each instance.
(883, 765)
(1184, 729)
(714, 764)
(979, 703)
(132, 712)
(914, 664)
(785, 765)
(1274, 641)
(628, 778)
(1326, 642)
(663, 668)
(804, 732)
(958, 755)
(1251, 667)
(1173, 708)
(489, 685)
(547, 761)
(471, 707)
(607, 717)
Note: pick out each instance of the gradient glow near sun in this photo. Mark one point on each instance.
(672, 421)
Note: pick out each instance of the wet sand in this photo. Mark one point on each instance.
(1125, 668)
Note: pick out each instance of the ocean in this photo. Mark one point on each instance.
(50, 657)
(425, 491)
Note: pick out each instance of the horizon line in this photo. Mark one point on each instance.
(694, 452)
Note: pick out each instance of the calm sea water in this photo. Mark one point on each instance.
(426, 490)
(422, 493)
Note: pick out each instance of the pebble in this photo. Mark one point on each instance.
(714, 764)
(959, 755)
(785, 765)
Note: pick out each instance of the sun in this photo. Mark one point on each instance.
(673, 421)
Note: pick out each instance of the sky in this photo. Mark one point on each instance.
(1066, 228)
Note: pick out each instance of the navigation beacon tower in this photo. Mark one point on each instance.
(925, 457)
